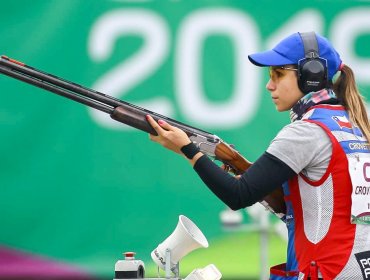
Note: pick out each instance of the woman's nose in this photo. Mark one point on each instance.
(270, 86)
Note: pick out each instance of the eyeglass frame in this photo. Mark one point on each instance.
(281, 67)
(284, 67)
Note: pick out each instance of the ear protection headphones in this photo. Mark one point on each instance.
(312, 69)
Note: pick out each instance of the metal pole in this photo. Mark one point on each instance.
(264, 240)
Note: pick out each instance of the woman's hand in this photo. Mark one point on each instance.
(169, 136)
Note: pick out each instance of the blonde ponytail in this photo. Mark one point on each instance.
(348, 94)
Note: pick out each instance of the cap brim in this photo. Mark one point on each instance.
(269, 58)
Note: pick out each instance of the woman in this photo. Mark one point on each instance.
(321, 159)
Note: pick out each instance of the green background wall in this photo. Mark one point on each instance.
(82, 189)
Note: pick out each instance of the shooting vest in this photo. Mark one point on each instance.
(322, 242)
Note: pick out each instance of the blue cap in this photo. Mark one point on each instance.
(291, 50)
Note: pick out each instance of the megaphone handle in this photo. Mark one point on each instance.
(168, 263)
(176, 271)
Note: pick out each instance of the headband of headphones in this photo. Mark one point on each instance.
(312, 69)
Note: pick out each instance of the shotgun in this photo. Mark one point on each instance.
(135, 116)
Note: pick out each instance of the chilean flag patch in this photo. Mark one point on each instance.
(342, 121)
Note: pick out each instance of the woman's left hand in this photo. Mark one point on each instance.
(169, 136)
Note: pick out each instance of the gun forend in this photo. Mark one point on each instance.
(136, 117)
(132, 117)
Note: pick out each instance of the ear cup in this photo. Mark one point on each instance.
(312, 70)
(312, 75)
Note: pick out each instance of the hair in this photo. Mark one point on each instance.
(349, 96)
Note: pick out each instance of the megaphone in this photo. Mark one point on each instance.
(185, 238)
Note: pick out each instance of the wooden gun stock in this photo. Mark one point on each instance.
(232, 157)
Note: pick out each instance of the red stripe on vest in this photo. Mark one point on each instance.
(333, 251)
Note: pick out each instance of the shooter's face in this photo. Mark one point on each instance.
(283, 87)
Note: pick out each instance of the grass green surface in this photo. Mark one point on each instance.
(236, 255)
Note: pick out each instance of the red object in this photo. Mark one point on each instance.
(129, 254)
(13, 60)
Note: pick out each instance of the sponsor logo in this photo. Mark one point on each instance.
(342, 121)
(363, 259)
(312, 83)
(289, 219)
(159, 257)
(358, 146)
(362, 219)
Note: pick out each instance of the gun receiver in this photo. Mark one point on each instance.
(135, 116)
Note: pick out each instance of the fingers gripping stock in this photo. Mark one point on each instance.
(232, 158)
